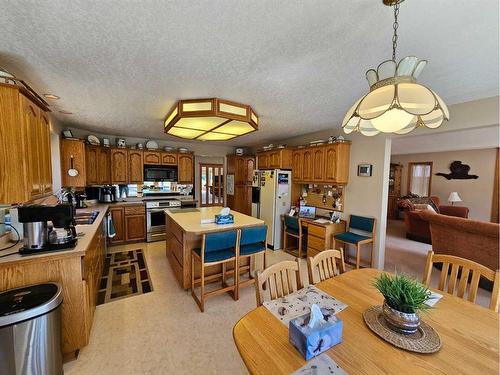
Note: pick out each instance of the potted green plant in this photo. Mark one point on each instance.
(404, 298)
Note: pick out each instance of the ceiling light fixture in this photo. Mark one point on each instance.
(52, 96)
(210, 120)
(396, 103)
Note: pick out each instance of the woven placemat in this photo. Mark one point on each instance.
(426, 340)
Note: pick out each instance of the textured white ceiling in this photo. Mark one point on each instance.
(120, 65)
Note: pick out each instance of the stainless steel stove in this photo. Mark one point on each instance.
(155, 217)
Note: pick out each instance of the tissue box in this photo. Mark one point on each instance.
(311, 342)
(224, 219)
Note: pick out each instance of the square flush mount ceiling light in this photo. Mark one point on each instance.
(210, 120)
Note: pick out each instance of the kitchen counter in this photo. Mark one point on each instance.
(85, 232)
(190, 222)
(184, 233)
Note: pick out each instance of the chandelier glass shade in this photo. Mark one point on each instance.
(396, 103)
(210, 120)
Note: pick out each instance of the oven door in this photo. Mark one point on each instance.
(155, 224)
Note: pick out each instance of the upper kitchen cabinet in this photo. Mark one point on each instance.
(185, 165)
(119, 166)
(322, 164)
(242, 167)
(25, 157)
(73, 166)
(168, 158)
(97, 164)
(104, 165)
(275, 159)
(152, 157)
(135, 167)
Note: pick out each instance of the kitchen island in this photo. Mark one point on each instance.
(184, 233)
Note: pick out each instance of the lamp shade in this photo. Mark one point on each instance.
(454, 197)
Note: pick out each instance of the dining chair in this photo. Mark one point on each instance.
(323, 266)
(361, 224)
(293, 228)
(463, 272)
(278, 280)
(252, 243)
(216, 248)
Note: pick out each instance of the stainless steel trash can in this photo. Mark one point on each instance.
(30, 330)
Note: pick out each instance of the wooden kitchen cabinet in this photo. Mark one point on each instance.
(135, 228)
(168, 158)
(242, 199)
(104, 165)
(119, 166)
(130, 223)
(307, 166)
(318, 164)
(92, 164)
(118, 218)
(136, 167)
(152, 157)
(275, 159)
(185, 170)
(73, 156)
(242, 167)
(25, 154)
(297, 165)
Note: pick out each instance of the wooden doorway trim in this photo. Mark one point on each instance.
(217, 188)
(496, 182)
(410, 175)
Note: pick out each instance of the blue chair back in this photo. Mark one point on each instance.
(252, 235)
(220, 240)
(361, 223)
(292, 222)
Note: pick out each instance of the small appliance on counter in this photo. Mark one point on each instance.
(107, 194)
(47, 228)
(80, 200)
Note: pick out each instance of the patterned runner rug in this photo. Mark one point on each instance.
(125, 274)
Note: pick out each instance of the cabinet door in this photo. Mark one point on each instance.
(240, 174)
(117, 215)
(319, 164)
(297, 165)
(46, 153)
(91, 164)
(307, 166)
(185, 169)
(274, 160)
(104, 165)
(73, 156)
(136, 167)
(31, 122)
(249, 168)
(168, 158)
(263, 161)
(152, 157)
(119, 166)
(135, 227)
(331, 163)
(342, 162)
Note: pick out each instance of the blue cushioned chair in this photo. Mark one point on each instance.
(216, 248)
(365, 225)
(293, 227)
(252, 242)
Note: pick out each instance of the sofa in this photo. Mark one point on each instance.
(418, 229)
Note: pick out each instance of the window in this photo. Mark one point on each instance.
(419, 178)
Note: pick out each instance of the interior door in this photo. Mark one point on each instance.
(211, 185)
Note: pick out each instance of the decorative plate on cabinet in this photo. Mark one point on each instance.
(151, 145)
(93, 140)
(182, 149)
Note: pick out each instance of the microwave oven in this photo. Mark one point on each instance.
(156, 173)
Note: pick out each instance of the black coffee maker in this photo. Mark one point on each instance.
(47, 228)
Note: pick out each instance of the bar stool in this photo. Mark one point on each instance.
(217, 248)
(293, 227)
(252, 242)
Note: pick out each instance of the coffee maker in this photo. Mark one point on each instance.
(47, 228)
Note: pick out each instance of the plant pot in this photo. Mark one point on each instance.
(405, 323)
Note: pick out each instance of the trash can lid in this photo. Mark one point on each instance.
(17, 305)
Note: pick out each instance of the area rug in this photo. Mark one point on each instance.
(125, 274)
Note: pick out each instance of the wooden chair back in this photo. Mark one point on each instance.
(278, 280)
(324, 265)
(461, 271)
(294, 224)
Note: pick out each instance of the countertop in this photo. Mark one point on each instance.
(191, 221)
(82, 244)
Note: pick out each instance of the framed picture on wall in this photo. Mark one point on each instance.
(365, 170)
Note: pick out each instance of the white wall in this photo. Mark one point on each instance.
(477, 194)
(366, 196)
(55, 131)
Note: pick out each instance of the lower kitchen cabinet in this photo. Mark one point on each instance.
(129, 222)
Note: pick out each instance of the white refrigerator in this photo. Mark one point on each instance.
(271, 198)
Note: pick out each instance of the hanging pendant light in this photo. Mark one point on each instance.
(396, 103)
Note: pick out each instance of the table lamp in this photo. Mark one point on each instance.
(454, 197)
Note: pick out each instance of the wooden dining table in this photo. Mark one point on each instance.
(469, 335)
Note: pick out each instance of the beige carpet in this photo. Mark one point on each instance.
(163, 332)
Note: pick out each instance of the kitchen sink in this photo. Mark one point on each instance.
(86, 218)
